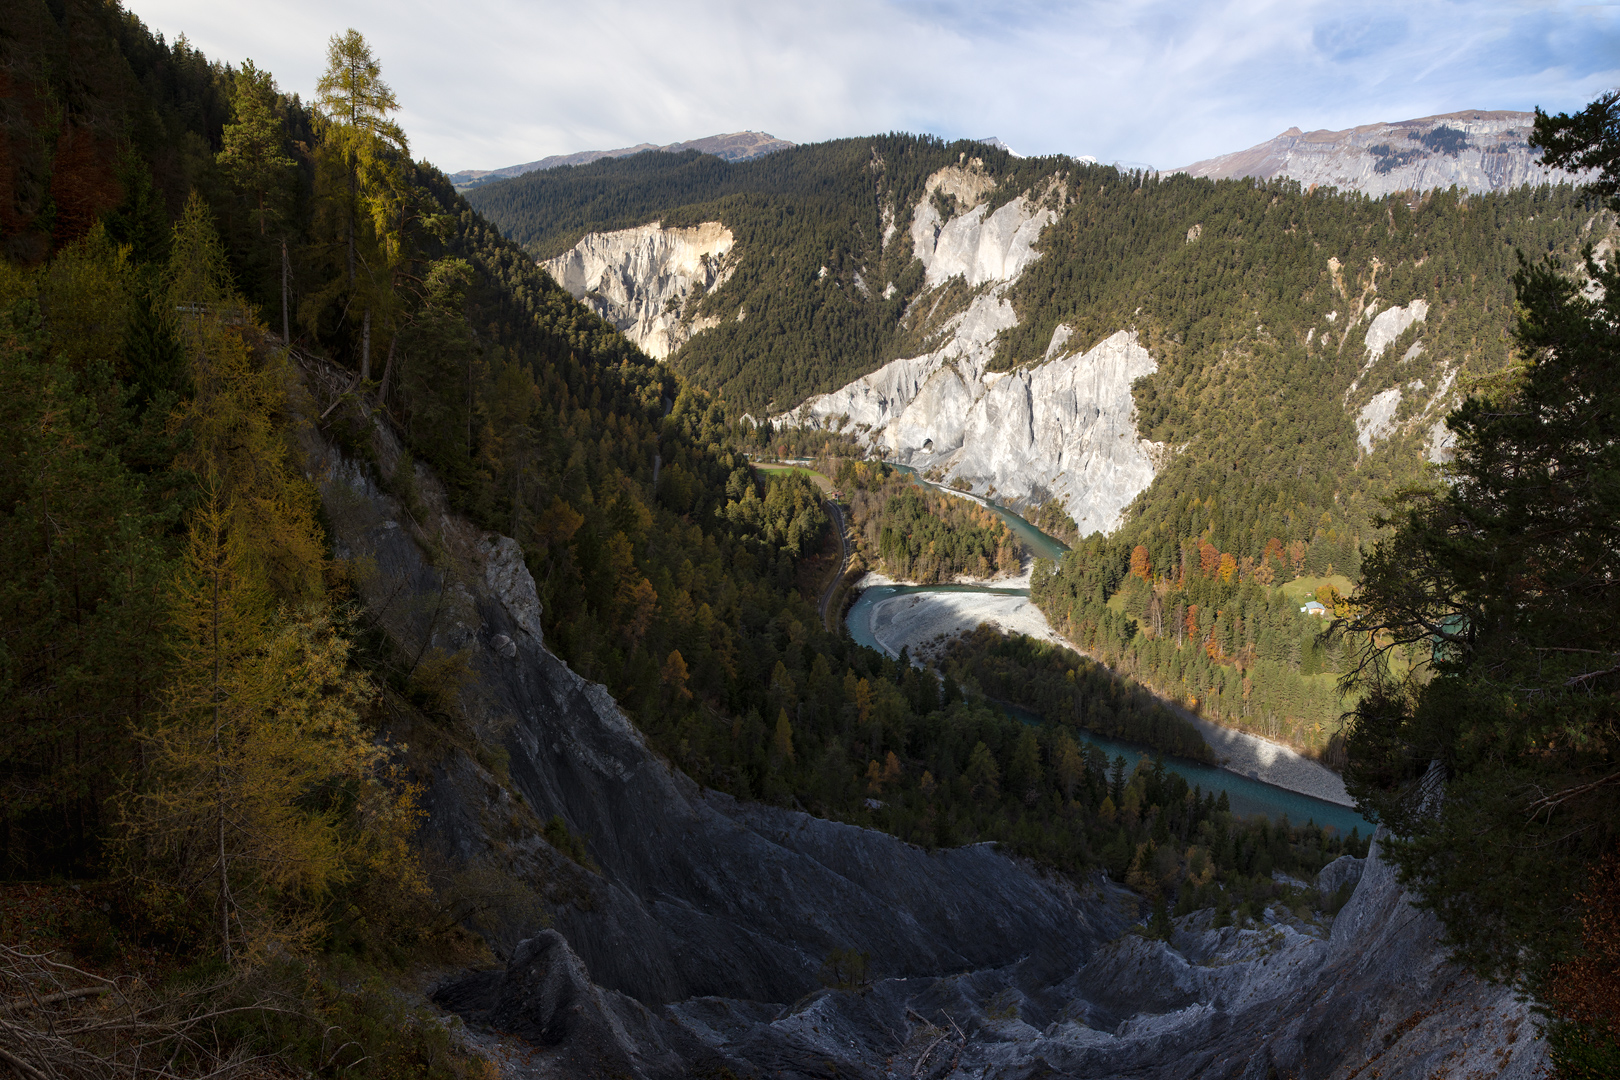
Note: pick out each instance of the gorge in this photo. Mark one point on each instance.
(420, 625)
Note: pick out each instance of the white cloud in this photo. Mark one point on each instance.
(486, 83)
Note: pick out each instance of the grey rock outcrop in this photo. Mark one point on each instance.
(640, 279)
(1346, 869)
(1477, 150)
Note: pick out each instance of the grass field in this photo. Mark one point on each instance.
(1304, 588)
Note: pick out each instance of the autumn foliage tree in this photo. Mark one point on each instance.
(260, 790)
(257, 768)
(1586, 989)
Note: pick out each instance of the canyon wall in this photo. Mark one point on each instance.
(640, 279)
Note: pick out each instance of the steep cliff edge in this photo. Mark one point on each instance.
(696, 945)
(1065, 429)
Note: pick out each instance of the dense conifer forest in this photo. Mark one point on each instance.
(817, 254)
(914, 533)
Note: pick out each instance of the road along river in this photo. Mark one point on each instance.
(1258, 776)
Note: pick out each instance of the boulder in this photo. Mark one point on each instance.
(1344, 869)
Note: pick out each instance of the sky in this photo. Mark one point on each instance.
(488, 83)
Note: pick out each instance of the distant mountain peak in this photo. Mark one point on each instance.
(736, 146)
(1476, 149)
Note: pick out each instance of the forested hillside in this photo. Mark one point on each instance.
(808, 306)
(1308, 343)
(915, 533)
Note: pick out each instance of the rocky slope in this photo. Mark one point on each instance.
(1372, 996)
(694, 945)
(697, 894)
(640, 279)
(1064, 429)
(737, 146)
(1475, 150)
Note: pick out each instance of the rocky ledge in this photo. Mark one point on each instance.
(1372, 996)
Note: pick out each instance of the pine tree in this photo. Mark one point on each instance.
(373, 154)
(260, 716)
(234, 422)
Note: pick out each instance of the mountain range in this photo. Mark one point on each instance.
(1477, 150)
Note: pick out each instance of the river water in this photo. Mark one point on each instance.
(1247, 795)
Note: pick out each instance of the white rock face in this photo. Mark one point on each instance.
(985, 250)
(1377, 418)
(1389, 324)
(631, 276)
(1065, 429)
(978, 247)
(1442, 443)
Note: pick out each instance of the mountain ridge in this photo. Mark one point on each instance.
(733, 146)
(1478, 150)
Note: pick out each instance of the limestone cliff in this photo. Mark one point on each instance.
(1476, 150)
(1065, 429)
(640, 279)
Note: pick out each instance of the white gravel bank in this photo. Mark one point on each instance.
(923, 622)
(1259, 759)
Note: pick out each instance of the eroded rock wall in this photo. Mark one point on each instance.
(1065, 429)
(1373, 996)
(640, 279)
